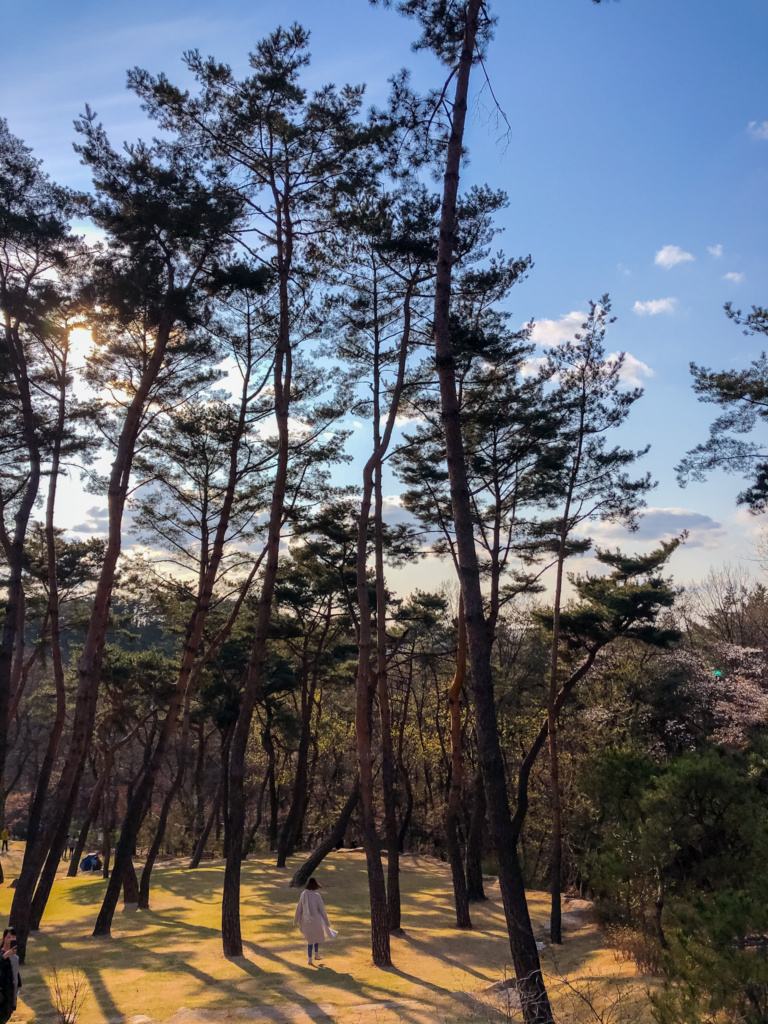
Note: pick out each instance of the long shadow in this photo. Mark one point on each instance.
(416, 981)
(325, 975)
(39, 993)
(423, 947)
(106, 1004)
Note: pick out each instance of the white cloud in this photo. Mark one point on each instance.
(633, 370)
(532, 366)
(733, 276)
(551, 332)
(671, 255)
(758, 129)
(715, 250)
(654, 306)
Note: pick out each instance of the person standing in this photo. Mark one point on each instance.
(10, 982)
(4, 837)
(312, 920)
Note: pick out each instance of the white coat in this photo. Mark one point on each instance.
(311, 918)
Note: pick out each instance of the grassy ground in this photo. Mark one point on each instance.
(166, 963)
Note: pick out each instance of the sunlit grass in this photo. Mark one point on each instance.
(170, 957)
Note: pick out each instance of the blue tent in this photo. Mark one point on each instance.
(90, 863)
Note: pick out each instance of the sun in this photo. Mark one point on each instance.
(80, 345)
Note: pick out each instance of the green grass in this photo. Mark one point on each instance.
(170, 957)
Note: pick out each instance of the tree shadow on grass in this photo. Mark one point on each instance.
(428, 950)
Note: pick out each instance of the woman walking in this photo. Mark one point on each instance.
(312, 920)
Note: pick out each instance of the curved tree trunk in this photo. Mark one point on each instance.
(89, 667)
(334, 839)
(51, 866)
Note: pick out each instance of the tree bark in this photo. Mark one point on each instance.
(453, 805)
(130, 884)
(14, 545)
(334, 839)
(530, 983)
(230, 907)
(287, 841)
(203, 838)
(43, 888)
(475, 889)
(89, 668)
(51, 866)
(388, 767)
(162, 821)
(193, 637)
(380, 946)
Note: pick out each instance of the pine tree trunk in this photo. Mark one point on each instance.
(130, 884)
(287, 841)
(89, 667)
(453, 805)
(475, 889)
(157, 841)
(556, 848)
(162, 821)
(334, 839)
(388, 768)
(231, 937)
(203, 839)
(12, 632)
(50, 868)
(530, 983)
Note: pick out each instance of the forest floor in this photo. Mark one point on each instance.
(166, 965)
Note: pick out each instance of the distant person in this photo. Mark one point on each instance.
(10, 980)
(72, 844)
(312, 920)
(66, 849)
(4, 836)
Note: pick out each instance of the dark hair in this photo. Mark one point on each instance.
(313, 884)
(9, 931)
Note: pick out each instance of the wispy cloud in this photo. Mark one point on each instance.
(715, 250)
(633, 370)
(661, 523)
(758, 129)
(733, 276)
(670, 255)
(551, 332)
(654, 306)
(97, 521)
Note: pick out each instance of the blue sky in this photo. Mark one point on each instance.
(638, 127)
